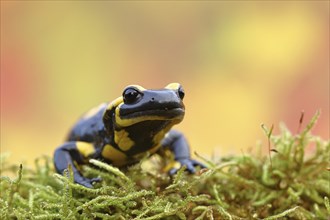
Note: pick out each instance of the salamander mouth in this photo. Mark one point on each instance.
(166, 113)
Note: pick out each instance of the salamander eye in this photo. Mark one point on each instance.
(181, 92)
(131, 95)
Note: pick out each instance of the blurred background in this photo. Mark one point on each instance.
(240, 63)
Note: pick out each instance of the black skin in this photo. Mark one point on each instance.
(141, 114)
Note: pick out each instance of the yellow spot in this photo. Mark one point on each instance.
(171, 165)
(117, 113)
(112, 105)
(93, 111)
(173, 86)
(117, 157)
(122, 140)
(115, 103)
(84, 148)
(137, 87)
(161, 134)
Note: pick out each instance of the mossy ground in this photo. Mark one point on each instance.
(290, 185)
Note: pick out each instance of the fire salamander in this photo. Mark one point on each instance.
(120, 132)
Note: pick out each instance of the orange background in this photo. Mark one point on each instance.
(241, 64)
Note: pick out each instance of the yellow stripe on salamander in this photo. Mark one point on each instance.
(85, 149)
(123, 141)
(117, 157)
(173, 86)
(171, 165)
(161, 134)
(125, 122)
(115, 103)
(137, 87)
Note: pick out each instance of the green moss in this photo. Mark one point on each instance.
(289, 185)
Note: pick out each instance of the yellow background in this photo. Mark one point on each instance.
(240, 63)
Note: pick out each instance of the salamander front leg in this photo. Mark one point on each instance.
(178, 144)
(69, 153)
